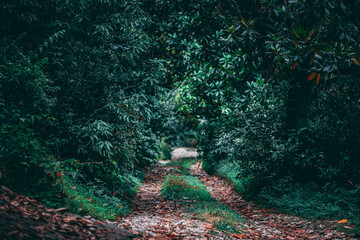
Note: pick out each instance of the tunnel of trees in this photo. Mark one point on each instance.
(93, 91)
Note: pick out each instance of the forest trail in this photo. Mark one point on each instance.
(156, 218)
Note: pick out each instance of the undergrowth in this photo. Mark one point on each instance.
(90, 198)
(93, 201)
(165, 150)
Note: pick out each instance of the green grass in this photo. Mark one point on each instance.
(89, 201)
(220, 215)
(230, 171)
(183, 164)
(184, 187)
(206, 208)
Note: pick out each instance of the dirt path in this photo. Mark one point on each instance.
(155, 218)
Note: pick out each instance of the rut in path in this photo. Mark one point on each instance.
(156, 218)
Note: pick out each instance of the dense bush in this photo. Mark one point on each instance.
(253, 137)
(312, 172)
(78, 87)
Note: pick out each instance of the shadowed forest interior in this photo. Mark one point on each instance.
(95, 95)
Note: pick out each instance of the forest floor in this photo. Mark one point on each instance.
(157, 218)
(22, 217)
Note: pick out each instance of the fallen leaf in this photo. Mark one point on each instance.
(343, 221)
(209, 226)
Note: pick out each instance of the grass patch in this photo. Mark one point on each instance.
(184, 187)
(183, 164)
(206, 208)
(312, 202)
(230, 172)
(94, 201)
(220, 215)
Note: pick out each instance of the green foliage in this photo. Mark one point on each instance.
(77, 93)
(165, 150)
(88, 87)
(240, 71)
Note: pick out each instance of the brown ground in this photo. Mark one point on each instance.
(155, 218)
